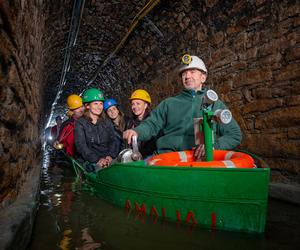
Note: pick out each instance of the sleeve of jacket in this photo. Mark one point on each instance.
(64, 133)
(113, 145)
(153, 124)
(82, 145)
(229, 136)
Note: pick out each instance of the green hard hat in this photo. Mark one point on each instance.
(92, 95)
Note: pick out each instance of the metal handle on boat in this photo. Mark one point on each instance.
(136, 155)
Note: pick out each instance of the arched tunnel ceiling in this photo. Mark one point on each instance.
(238, 40)
(152, 49)
(102, 26)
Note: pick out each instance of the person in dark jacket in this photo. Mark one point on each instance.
(66, 134)
(118, 119)
(174, 117)
(140, 101)
(95, 139)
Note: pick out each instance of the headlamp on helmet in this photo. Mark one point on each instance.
(192, 62)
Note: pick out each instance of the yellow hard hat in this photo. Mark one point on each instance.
(141, 95)
(74, 102)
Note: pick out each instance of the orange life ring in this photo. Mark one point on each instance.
(222, 159)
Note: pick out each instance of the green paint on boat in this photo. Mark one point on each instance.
(223, 199)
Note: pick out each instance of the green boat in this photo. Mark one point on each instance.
(231, 199)
(224, 192)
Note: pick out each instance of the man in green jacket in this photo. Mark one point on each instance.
(173, 119)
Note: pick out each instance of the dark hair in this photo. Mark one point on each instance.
(122, 123)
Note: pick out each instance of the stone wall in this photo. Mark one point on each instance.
(20, 96)
(57, 15)
(26, 50)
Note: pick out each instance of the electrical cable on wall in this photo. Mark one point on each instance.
(72, 37)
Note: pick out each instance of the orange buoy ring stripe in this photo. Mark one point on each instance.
(222, 159)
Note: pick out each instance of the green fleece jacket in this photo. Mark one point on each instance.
(173, 121)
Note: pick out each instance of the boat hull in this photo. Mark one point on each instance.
(222, 199)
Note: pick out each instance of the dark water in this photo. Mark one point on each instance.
(71, 218)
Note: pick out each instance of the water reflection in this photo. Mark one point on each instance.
(69, 218)
(88, 242)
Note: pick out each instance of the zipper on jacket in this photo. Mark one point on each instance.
(193, 104)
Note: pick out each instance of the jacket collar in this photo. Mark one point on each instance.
(193, 93)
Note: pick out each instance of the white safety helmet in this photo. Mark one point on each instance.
(192, 62)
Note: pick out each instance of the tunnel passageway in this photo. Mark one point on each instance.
(51, 49)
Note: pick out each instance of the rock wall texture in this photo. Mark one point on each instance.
(20, 95)
(23, 55)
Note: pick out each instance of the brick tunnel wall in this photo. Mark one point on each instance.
(21, 65)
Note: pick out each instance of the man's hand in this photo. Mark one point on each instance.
(128, 134)
(199, 153)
